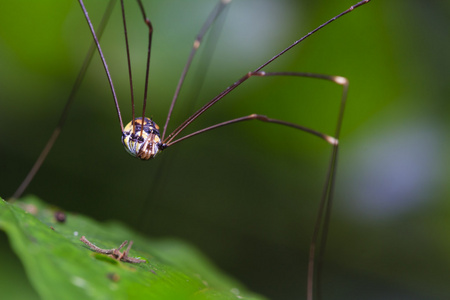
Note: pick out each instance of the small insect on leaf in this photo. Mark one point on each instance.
(115, 253)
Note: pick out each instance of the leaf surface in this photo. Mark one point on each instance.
(60, 266)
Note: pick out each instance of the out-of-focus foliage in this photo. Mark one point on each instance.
(59, 265)
(248, 194)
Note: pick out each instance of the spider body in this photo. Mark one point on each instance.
(144, 141)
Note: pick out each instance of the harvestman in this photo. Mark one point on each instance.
(141, 136)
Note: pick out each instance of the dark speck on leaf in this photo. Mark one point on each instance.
(60, 217)
(113, 276)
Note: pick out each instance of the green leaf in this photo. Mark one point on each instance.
(60, 266)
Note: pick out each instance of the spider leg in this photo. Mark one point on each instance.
(320, 232)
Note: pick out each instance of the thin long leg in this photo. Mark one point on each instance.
(324, 211)
(326, 201)
(150, 34)
(256, 72)
(105, 66)
(62, 120)
(130, 73)
(147, 70)
(336, 79)
(212, 17)
(262, 118)
(321, 226)
(322, 222)
(192, 100)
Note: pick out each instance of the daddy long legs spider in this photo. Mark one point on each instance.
(293, 78)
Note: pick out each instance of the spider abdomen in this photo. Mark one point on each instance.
(144, 141)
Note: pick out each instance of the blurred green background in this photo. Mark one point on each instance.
(247, 195)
